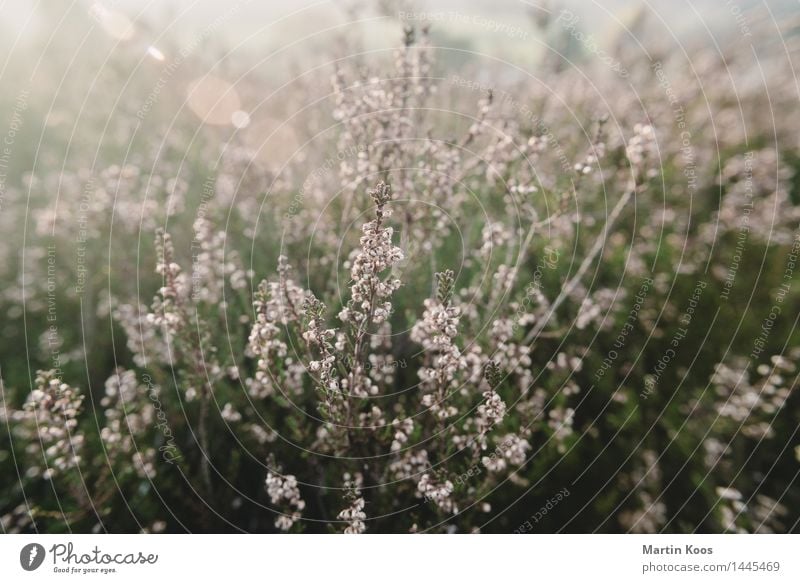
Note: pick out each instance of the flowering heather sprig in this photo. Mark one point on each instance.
(142, 333)
(277, 304)
(370, 293)
(166, 310)
(210, 265)
(597, 150)
(128, 415)
(354, 513)
(479, 126)
(284, 493)
(493, 409)
(641, 148)
(264, 341)
(376, 254)
(49, 422)
(324, 368)
(512, 357)
(436, 331)
(379, 112)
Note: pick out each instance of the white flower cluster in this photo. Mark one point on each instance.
(354, 514)
(491, 411)
(402, 432)
(642, 145)
(438, 491)
(411, 464)
(283, 492)
(762, 512)
(753, 405)
(560, 421)
(377, 114)
(512, 450)
(49, 422)
(438, 326)
(511, 356)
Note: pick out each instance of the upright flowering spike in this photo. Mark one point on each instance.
(128, 412)
(284, 493)
(436, 332)
(166, 310)
(354, 513)
(493, 409)
(324, 368)
(370, 292)
(277, 304)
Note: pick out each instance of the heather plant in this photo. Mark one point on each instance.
(462, 298)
